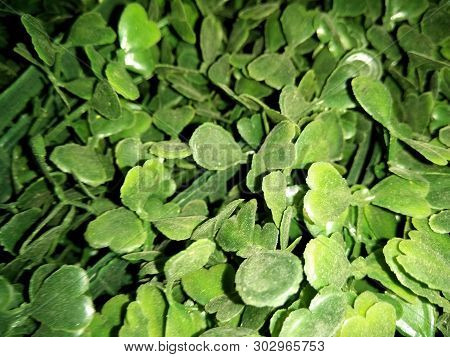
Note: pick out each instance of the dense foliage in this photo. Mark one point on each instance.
(224, 168)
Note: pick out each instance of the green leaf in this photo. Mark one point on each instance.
(275, 69)
(402, 196)
(258, 12)
(119, 229)
(326, 263)
(105, 101)
(320, 140)
(91, 29)
(324, 317)
(121, 81)
(440, 222)
(40, 39)
(170, 150)
(289, 20)
(414, 320)
(274, 187)
(184, 321)
(426, 258)
(109, 318)
(181, 19)
(211, 36)
(146, 184)
(391, 251)
(145, 317)
(12, 231)
(178, 228)
(250, 129)
(94, 169)
(173, 121)
(65, 287)
(214, 148)
(236, 232)
(351, 8)
(205, 284)
(292, 103)
(136, 31)
(269, 278)
(370, 318)
(329, 195)
(189, 260)
(375, 99)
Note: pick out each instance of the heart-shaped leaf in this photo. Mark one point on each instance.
(91, 29)
(94, 169)
(251, 130)
(205, 284)
(136, 31)
(65, 287)
(119, 229)
(329, 195)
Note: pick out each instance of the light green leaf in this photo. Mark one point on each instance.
(119, 229)
(205, 284)
(189, 260)
(236, 232)
(251, 130)
(170, 149)
(329, 195)
(292, 103)
(324, 317)
(320, 140)
(274, 188)
(145, 184)
(172, 121)
(121, 81)
(391, 252)
(269, 278)
(178, 228)
(94, 169)
(292, 15)
(211, 36)
(275, 69)
(402, 196)
(440, 222)
(109, 318)
(65, 287)
(136, 31)
(375, 99)
(214, 148)
(326, 263)
(145, 317)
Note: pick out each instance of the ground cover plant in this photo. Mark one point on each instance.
(224, 168)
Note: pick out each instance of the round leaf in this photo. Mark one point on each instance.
(269, 278)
